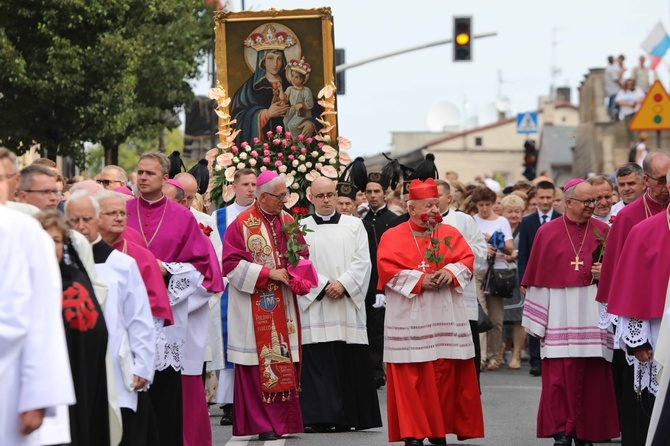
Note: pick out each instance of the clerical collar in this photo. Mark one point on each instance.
(152, 202)
(383, 208)
(649, 196)
(97, 240)
(267, 215)
(569, 220)
(324, 217)
(240, 206)
(333, 218)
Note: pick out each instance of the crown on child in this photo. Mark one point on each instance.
(300, 66)
(270, 39)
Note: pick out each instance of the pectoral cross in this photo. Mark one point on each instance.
(577, 263)
(423, 265)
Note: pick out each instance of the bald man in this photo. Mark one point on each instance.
(336, 354)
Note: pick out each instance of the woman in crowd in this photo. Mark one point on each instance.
(513, 207)
(490, 223)
(86, 336)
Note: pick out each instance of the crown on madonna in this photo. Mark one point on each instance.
(270, 39)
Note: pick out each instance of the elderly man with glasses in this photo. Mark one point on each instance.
(112, 177)
(263, 323)
(577, 400)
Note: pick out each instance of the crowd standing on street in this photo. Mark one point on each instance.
(129, 305)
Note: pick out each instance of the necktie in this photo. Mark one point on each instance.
(544, 219)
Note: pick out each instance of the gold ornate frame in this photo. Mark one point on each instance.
(231, 28)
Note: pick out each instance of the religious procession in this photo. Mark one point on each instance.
(261, 285)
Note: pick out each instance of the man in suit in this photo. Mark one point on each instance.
(529, 226)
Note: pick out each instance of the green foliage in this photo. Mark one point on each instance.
(96, 70)
(130, 151)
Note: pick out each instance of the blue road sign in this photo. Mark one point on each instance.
(526, 123)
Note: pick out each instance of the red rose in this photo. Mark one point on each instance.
(424, 217)
(438, 218)
(205, 229)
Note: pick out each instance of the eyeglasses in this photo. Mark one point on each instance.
(114, 214)
(106, 183)
(329, 195)
(591, 202)
(45, 192)
(660, 180)
(279, 197)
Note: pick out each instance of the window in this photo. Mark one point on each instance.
(478, 141)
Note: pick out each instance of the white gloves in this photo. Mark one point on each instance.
(380, 301)
(363, 208)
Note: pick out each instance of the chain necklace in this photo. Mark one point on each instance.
(647, 211)
(139, 220)
(577, 263)
(274, 235)
(423, 265)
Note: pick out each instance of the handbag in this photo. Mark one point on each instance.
(499, 282)
(483, 322)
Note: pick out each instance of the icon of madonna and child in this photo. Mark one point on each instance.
(276, 94)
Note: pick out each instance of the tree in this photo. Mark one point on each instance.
(130, 151)
(96, 70)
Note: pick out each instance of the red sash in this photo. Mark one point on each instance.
(268, 307)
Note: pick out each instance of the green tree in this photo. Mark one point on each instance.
(130, 151)
(96, 70)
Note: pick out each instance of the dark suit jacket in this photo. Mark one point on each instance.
(527, 230)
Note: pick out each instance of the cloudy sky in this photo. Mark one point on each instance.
(395, 94)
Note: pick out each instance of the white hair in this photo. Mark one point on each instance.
(80, 195)
(270, 185)
(86, 186)
(107, 195)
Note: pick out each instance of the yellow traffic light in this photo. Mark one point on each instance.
(462, 39)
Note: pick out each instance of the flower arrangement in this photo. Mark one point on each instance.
(297, 159)
(433, 254)
(302, 273)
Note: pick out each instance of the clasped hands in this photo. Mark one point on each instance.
(436, 280)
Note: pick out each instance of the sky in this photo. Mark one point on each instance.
(395, 95)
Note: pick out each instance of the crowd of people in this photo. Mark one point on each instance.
(626, 89)
(292, 323)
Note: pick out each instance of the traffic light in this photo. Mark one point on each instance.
(530, 160)
(462, 39)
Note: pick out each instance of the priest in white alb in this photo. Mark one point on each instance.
(35, 374)
(243, 190)
(336, 357)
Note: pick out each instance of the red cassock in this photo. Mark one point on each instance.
(432, 387)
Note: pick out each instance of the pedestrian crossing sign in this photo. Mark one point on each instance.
(526, 123)
(654, 113)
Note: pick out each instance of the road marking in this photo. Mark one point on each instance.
(239, 441)
(244, 441)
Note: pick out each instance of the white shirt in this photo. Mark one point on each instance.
(132, 345)
(489, 227)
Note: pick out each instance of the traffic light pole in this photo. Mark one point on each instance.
(344, 67)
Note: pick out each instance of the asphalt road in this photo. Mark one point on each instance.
(510, 399)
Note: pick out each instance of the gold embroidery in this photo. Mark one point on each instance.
(252, 222)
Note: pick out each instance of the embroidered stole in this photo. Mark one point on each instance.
(268, 308)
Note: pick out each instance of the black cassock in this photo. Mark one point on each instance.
(86, 336)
